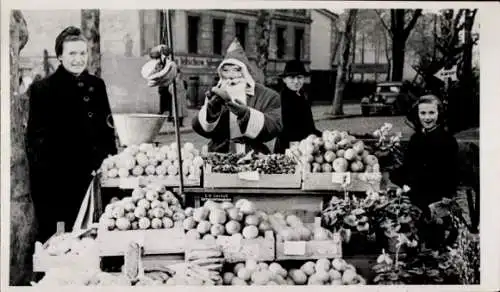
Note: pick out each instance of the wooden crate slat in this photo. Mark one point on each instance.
(154, 241)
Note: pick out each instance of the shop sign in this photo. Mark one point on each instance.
(197, 62)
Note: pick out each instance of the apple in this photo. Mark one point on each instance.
(349, 154)
(329, 156)
(340, 165)
(326, 167)
(319, 158)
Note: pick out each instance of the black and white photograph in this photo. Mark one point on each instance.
(321, 146)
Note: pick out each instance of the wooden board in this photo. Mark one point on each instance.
(43, 262)
(327, 182)
(240, 180)
(133, 182)
(259, 249)
(154, 241)
(307, 250)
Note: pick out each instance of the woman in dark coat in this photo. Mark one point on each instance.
(69, 134)
(297, 118)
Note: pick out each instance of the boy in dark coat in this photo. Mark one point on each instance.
(239, 114)
(69, 134)
(298, 122)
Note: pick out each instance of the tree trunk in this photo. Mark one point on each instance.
(398, 59)
(338, 100)
(263, 27)
(90, 28)
(22, 223)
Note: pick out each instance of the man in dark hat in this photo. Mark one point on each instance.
(297, 118)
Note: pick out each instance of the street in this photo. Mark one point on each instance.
(357, 125)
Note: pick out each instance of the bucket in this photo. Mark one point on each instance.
(134, 129)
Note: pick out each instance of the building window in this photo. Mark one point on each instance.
(280, 42)
(299, 43)
(241, 29)
(193, 34)
(218, 29)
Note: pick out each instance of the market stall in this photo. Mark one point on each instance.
(323, 213)
(232, 225)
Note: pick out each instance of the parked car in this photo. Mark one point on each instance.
(389, 97)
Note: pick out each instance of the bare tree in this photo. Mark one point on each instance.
(263, 29)
(90, 28)
(338, 100)
(399, 31)
(22, 223)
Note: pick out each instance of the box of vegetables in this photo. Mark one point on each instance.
(251, 170)
(296, 240)
(147, 163)
(336, 161)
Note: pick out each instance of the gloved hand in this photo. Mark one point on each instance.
(214, 105)
(159, 51)
(238, 108)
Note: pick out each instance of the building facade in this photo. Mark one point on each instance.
(200, 41)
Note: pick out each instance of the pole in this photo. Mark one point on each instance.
(174, 100)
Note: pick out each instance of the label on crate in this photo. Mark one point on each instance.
(294, 248)
(249, 175)
(218, 198)
(234, 244)
(341, 178)
(129, 183)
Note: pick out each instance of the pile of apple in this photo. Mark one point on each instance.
(214, 219)
(335, 151)
(150, 160)
(321, 272)
(291, 228)
(150, 207)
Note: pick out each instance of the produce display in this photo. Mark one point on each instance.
(320, 272)
(265, 164)
(335, 151)
(291, 228)
(213, 219)
(150, 207)
(150, 160)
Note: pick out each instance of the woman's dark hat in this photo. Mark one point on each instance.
(294, 68)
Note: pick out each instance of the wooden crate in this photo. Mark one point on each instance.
(309, 250)
(259, 249)
(357, 182)
(153, 241)
(251, 180)
(133, 182)
(43, 261)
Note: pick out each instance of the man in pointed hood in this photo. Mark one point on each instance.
(239, 114)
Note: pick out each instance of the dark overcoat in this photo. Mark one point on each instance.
(69, 134)
(298, 121)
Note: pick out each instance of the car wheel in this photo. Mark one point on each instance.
(365, 111)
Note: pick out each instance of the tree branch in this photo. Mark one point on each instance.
(382, 21)
(413, 21)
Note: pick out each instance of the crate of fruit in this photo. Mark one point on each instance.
(66, 250)
(296, 240)
(238, 248)
(336, 161)
(251, 171)
(148, 163)
(239, 229)
(152, 216)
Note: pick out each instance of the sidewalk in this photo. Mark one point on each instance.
(318, 111)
